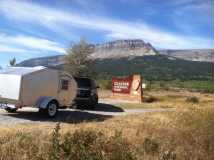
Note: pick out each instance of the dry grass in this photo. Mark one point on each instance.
(186, 133)
(167, 99)
(183, 134)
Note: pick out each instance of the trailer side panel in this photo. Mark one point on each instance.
(39, 84)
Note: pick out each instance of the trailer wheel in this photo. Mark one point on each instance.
(52, 109)
(93, 102)
(11, 110)
(78, 106)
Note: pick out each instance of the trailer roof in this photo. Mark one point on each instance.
(21, 70)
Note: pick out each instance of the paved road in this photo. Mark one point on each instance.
(101, 113)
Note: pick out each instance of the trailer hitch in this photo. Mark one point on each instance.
(4, 105)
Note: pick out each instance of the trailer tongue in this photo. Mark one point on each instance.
(4, 105)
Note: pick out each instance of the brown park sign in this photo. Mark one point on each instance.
(121, 85)
(127, 88)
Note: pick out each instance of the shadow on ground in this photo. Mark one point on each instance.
(102, 107)
(66, 115)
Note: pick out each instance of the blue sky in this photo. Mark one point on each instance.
(36, 28)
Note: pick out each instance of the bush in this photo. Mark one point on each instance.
(89, 144)
(118, 148)
(150, 146)
(105, 84)
(54, 153)
(164, 86)
(23, 145)
(192, 99)
(168, 155)
(150, 99)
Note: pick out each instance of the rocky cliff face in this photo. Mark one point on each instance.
(115, 49)
(123, 48)
(44, 61)
(200, 55)
(128, 48)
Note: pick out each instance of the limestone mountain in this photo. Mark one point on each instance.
(123, 48)
(124, 57)
(51, 61)
(200, 55)
(129, 48)
(114, 49)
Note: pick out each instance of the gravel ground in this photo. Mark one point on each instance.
(102, 112)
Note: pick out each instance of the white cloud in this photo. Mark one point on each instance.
(48, 17)
(37, 43)
(6, 49)
(184, 15)
(22, 43)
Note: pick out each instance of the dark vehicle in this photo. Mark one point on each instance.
(87, 96)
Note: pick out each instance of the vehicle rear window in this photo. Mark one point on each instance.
(83, 82)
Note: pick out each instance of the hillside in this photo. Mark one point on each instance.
(159, 67)
(128, 48)
(114, 49)
(44, 61)
(125, 57)
(198, 55)
(201, 55)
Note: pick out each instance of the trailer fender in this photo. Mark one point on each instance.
(43, 102)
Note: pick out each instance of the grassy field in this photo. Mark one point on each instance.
(184, 133)
(201, 86)
(179, 98)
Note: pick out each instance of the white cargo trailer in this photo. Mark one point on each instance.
(40, 87)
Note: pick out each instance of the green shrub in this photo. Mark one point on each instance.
(23, 145)
(118, 148)
(150, 99)
(168, 155)
(192, 99)
(105, 84)
(150, 146)
(55, 148)
(82, 145)
(89, 145)
(164, 86)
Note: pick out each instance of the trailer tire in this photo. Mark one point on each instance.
(93, 102)
(78, 106)
(11, 110)
(52, 109)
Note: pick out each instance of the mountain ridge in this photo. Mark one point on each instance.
(113, 49)
(129, 48)
(201, 55)
(123, 48)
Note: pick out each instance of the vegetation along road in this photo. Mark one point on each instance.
(102, 111)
